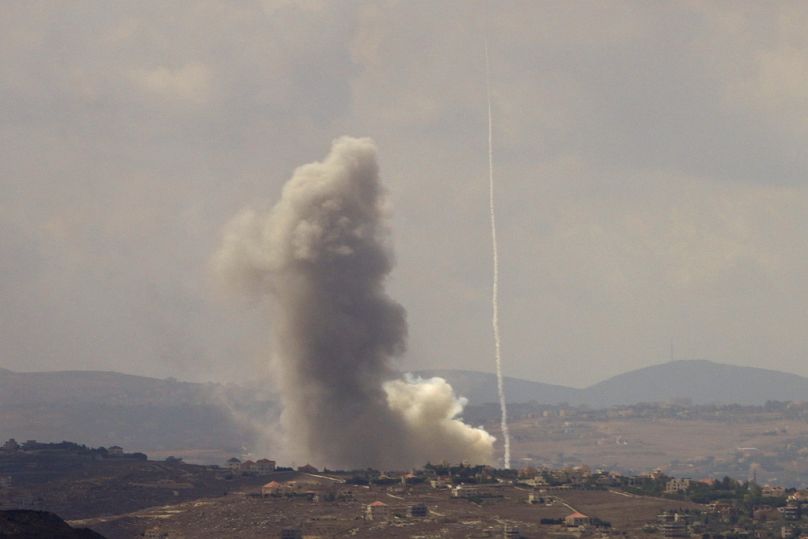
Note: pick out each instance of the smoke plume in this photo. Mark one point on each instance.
(321, 257)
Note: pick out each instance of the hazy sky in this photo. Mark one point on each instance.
(650, 160)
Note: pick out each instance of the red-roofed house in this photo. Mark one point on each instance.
(376, 511)
(576, 519)
(273, 488)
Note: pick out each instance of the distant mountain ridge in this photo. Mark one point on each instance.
(93, 387)
(481, 387)
(152, 415)
(102, 408)
(699, 381)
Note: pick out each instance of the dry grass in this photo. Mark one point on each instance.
(647, 444)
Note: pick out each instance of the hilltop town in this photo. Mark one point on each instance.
(125, 495)
(767, 442)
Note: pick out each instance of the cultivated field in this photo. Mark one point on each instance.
(773, 446)
(246, 515)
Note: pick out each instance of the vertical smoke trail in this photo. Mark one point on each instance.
(495, 289)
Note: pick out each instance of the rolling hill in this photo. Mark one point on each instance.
(161, 416)
(699, 381)
(139, 413)
(481, 387)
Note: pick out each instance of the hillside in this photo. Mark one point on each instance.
(207, 422)
(700, 381)
(23, 524)
(481, 387)
(139, 413)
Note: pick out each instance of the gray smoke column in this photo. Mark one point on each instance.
(321, 257)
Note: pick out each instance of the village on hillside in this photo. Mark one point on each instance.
(120, 494)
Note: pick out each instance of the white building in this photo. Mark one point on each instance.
(439, 482)
(465, 492)
(265, 466)
(537, 481)
(677, 485)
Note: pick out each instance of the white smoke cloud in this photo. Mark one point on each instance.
(430, 409)
(322, 255)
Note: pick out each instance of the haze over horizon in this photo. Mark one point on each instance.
(434, 371)
(650, 168)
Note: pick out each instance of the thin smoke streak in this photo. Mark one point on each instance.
(495, 288)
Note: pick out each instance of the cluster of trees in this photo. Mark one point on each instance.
(744, 494)
(64, 448)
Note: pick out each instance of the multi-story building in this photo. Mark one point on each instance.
(677, 485)
(792, 511)
(265, 466)
(672, 525)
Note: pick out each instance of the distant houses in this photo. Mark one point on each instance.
(67, 449)
(263, 466)
(249, 467)
(476, 494)
(672, 524)
(770, 491)
(463, 491)
(10, 446)
(440, 482)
